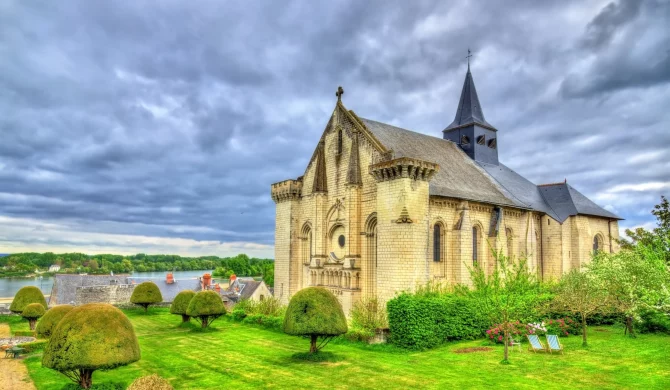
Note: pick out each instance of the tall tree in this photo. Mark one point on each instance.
(580, 292)
(508, 294)
(635, 280)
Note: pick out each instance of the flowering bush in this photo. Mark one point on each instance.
(562, 327)
(516, 330)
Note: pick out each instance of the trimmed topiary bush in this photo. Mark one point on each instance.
(25, 296)
(150, 382)
(315, 312)
(32, 313)
(180, 304)
(96, 336)
(205, 307)
(146, 294)
(52, 317)
(33, 346)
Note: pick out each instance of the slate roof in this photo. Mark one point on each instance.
(463, 178)
(469, 110)
(169, 291)
(459, 175)
(65, 286)
(566, 201)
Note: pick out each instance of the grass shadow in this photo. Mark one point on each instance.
(318, 357)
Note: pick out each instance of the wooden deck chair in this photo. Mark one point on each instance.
(513, 343)
(535, 344)
(553, 344)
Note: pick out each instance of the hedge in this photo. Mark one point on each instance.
(267, 322)
(25, 333)
(33, 346)
(420, 322)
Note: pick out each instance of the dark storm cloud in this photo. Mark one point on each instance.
(171, 119)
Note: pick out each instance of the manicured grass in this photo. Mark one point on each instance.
(235, 355)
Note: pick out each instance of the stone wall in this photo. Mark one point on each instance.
(113, 294)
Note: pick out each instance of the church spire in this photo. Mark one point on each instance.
(469, 110)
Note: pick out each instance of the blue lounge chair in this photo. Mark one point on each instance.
(554, 344)
(535, 344)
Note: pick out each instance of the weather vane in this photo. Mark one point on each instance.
(468, 57)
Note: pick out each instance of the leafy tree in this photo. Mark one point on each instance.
(661, 233)
(315, 312)
(206, 306)
(52, 317)
(25, 296)
(581, 293)
(511, 292)
(636, 280)
(91, 337)
(32, 313)
(180, 304)
(146, 294)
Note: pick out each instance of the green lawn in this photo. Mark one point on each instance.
(239, 355)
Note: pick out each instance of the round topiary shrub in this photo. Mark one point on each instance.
(145, 294)
(50, 319)
(180, 304)
(205, 307)
(32, 313)
(315, 312)
(150, 382)
(96, 336)
(25, 296)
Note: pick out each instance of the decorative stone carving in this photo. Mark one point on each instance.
(286, 190)
(404, 167)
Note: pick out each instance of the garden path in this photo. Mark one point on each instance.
(13, 373)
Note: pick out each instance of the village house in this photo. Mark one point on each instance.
(380, 209)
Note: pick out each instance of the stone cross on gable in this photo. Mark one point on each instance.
(339, 93)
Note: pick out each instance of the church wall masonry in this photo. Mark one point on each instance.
(364, 220)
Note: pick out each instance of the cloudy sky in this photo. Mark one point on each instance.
(158, 127)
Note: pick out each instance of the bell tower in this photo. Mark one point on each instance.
(469, 129)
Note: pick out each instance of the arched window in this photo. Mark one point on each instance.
(510, 241)
(597, 243)
(339, 142)
(437, 242)
(306, 244)
(370, 267)
(475, 245)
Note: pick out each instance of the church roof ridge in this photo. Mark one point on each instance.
(469, 109)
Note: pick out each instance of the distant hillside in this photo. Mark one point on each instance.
(4, 254)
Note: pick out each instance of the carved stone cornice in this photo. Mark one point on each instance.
(404, 167)
(286, 190)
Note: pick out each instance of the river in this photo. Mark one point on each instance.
(9, 286)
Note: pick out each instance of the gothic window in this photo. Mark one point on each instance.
(475, 238)
(510, 241)
(306, 244)
(339, 142)
(370, 266)
(493, 143)
(597, 243)
(481, 139)
(437, 243)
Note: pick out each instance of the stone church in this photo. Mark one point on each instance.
(380, 209)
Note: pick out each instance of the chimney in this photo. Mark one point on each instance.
(169, 279)
(232, 278)
(217, 287)
(206, 281)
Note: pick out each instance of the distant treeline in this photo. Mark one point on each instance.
(21, 264)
